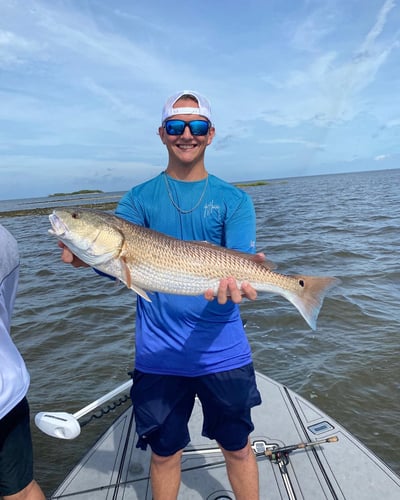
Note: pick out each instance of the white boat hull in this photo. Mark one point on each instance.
(115, 469)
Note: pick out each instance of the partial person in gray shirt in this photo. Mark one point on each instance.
(16, 457)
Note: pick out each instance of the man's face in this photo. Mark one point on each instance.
(186, 148)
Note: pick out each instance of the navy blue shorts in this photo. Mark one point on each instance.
(16, 457)
(163, 405)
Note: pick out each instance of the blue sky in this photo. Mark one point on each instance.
(297, 87)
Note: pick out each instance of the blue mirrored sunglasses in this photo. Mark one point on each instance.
(196, 127)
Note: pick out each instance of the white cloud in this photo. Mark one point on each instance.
(15, 49)
(84, 82)
(382, 157)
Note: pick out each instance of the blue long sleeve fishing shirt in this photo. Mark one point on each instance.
(185, 335)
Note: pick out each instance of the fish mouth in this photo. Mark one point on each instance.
(58, 227)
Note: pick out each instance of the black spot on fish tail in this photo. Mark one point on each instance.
(309, 298)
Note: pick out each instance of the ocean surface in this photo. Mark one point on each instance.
(76, 330)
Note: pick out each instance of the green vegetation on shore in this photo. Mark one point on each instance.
(108, 205)
(47, 211)
(82, 191)
(250, 184)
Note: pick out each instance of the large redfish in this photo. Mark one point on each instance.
(144, 259)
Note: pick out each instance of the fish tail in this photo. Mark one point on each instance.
(309, 297)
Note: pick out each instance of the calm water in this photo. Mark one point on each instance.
(75, 329)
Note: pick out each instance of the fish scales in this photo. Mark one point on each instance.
(177, 261)
(145, 259)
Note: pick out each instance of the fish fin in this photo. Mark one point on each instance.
(266, 262)
(207, 244)
(125, 272)
(248, 256)
(140, 292)
(309, 296)
(128, 280)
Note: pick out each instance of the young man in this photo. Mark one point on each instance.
(193, 345)
(16, 462)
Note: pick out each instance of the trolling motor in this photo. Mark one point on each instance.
(65, 425)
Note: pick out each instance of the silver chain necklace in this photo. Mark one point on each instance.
(176, 205)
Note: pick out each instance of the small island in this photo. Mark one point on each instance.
(79, 196)
(82, 191)
(251, 184)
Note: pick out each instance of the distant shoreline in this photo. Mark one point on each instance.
(82, 191)
(98, 205)
(48, 210)
(251, 184)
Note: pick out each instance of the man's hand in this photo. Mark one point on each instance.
(228, 289)
(69, 258)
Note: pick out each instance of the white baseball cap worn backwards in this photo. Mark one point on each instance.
(204, 108)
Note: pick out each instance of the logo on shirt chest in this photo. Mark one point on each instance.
(212, 209)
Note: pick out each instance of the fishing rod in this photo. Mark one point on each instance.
(273, 452)
(280, 455)
(261, 447)
(65, 425)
